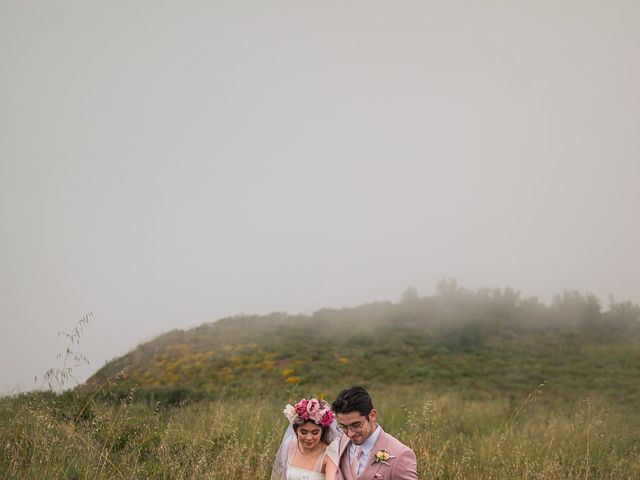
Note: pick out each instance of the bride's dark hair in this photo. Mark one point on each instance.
(324, 436)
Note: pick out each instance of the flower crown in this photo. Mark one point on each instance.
(313, 410)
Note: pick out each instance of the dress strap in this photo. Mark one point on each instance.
(318, 466)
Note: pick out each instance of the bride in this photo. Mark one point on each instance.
(308, 450)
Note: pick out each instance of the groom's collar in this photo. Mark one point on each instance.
(368, 444)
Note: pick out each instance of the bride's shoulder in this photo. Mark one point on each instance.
(332, 450)
(334, 445)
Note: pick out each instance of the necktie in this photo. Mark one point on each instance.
(355, 463)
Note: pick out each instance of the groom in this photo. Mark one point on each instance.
(366, 451)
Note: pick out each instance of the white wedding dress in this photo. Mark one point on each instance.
(282, 468)
(297, 473)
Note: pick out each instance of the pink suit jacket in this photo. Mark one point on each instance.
(401, 467)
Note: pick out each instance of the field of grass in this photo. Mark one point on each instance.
(455, 376)
(454, 436)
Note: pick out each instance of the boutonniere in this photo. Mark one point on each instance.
(382, 456)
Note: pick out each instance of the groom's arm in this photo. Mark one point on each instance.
(405, 466)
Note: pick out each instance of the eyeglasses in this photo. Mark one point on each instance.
(354, 427)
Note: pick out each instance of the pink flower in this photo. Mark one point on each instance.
(327, 418)
(301, 406)
(321, 413)
(313, 407)
(314, 410)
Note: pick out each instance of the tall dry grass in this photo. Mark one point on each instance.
(52, 436)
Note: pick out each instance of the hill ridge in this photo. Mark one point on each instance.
(455, 337)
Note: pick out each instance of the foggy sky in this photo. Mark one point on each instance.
(165, 164)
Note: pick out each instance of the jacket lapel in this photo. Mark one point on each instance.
(343, 458)
(372, 468)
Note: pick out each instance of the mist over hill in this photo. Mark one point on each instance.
(490, 340)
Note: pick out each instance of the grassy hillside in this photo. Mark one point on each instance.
(481, 384)
(488, 341)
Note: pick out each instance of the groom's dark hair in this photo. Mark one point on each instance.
(354, 399)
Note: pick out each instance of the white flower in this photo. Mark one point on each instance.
(290, 412)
